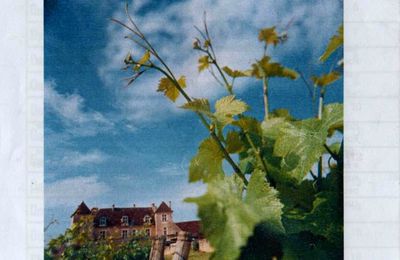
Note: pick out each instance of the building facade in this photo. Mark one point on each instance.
(125, 223)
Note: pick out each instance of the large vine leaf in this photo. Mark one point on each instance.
(226, 108)
(207, 164)
(265, 68)
(236, 73)
(231, 214)
(335, 42)
(301, 143)
(269, 36)
(169, 89)
(201, 105)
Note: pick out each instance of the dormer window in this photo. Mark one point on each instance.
(164, 218)
(103, 222)
(125, 221)
(147, 219)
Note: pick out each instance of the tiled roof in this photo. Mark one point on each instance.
(114, 216)
(81, 210)
(193, 227)
(163, 208)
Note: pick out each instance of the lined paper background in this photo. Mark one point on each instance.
(372, 112)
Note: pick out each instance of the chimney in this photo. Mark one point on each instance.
(113, 207)
(94, 210)
(134, 205)
(153, 206)
(170, 204)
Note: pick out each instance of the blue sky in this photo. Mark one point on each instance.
(107, 144)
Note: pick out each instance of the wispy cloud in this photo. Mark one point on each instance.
(75, 158)
(71, 191)
(172, 169)
(234, 27)
(71, 110)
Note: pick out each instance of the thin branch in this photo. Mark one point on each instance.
(201, 33)
(313, 175)
(334, 155)
(259, 157)
(210, 69)
(265, 96)
(309, 87)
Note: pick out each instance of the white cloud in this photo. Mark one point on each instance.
(70, 109)
(74, 158)
(173, 169)
(71, 191)
(234, 27)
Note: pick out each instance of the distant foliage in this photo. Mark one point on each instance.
(272, 203)
(77, 243)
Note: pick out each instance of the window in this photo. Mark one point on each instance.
(125, 221)
(102, 234)
(148, 232)
(103, 222)
(165, 231)
(124, 234)
(147, 219)
(164, 218)
(133, 232)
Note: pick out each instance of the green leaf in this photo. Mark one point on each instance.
(335, 42)
(204, 63)
(226, 108)
(272, 127)
(265, 68)
(207, 164)
(201, 105)
(169, 89)
(304, 139)
(332, 117)
(230, 215)
(236, 73)
(269, 36)
(248, 124)
(233, 142)
(325, 79)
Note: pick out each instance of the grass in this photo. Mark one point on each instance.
(194, 255)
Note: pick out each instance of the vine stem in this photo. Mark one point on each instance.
(320, 108)
(265, 96)
(259, 157)
(168, 73)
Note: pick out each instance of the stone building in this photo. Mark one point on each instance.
(124, 223)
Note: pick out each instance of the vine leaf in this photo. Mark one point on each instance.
(248, 124)
(145, 58)
(169, 89)
(332, 117)
(301, 143)
(201, 105)
(226, 108)
(236, 73)
(229, 214)
(325, 79)
(265, 68)
(207, 164)
(269, 36)
(233, 142)
(335, 42)
(203, 63)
